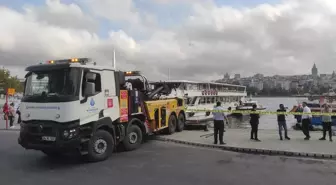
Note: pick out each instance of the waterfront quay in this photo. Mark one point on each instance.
(238, 140)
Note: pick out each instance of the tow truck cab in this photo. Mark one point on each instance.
(75, 105)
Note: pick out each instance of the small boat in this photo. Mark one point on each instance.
(247, 105)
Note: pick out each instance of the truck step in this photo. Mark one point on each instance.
(84, 152)
(83, 140)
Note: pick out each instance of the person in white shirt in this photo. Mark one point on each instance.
(219, 117)
(306, 120)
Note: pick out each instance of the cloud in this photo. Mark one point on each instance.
(177, 1)
(114, 10)
(26, 40)
(57, 14)
(284, 38)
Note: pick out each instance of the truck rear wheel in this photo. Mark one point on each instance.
(181, 123)
(101, 146)
(172, 122)
(133, 138)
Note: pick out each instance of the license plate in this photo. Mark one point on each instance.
(48, 138)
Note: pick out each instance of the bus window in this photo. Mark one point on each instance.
(202, 100)
(208, 100)
(193, 102)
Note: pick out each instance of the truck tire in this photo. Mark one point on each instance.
(101, 146)
(180, 122)
(134, 137)
(172, 122)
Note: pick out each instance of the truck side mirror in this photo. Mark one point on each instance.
(90, 89)
(91, 76)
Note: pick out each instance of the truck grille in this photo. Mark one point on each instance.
(41, 128)
(37, 130)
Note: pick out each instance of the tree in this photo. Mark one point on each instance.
(8, 81)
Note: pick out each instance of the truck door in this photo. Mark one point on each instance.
(91, 105)
(111, 99)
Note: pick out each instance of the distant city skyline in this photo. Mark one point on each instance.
(313, 83)
(313, 72)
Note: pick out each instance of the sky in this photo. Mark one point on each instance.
(193, 39)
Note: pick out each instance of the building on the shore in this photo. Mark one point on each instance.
(257, 84)
(226, 76)
(294, 84)
(314, 71)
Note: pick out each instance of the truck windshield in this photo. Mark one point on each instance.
(138, 82)
(53, 85)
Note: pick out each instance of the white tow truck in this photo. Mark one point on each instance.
(74, 105)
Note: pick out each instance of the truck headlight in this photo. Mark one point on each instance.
(66, 134)
(70, 133)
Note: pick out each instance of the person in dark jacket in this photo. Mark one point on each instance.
(282, 121)
(19, 114)
(254, 121)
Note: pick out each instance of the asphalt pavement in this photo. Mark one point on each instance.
(160, 163)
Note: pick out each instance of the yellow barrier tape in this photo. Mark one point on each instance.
(262, 112)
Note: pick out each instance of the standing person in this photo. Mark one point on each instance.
(254, 121)
(306, 120)
(11, 114)
(282, 122)
(219, 116)
(19, 114)
(299, 117)
(326, 121)
(5, 111)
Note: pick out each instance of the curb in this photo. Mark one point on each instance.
(253, 150)
(15, 129)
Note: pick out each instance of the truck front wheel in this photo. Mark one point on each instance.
(133, 138)
(101, 146)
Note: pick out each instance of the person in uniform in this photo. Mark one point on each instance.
(219, 116)
(254, 121)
